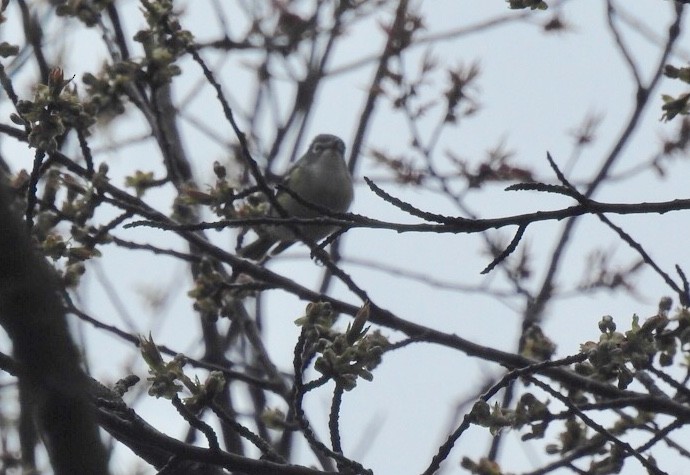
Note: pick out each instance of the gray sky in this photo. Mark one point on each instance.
(534, 90)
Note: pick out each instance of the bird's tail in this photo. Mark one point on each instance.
(257, 249)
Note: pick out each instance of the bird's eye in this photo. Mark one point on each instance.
(317, 148)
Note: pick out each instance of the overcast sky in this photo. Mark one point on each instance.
(534, 90)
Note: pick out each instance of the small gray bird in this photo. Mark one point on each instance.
(320, 177)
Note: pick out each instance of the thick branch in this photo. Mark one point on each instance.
(33, 316)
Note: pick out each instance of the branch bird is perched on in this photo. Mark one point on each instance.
(320, 177)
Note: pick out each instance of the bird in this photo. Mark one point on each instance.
(320, 177)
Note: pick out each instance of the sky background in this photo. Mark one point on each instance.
(534, 90)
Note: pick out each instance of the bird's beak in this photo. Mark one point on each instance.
(335, 147)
